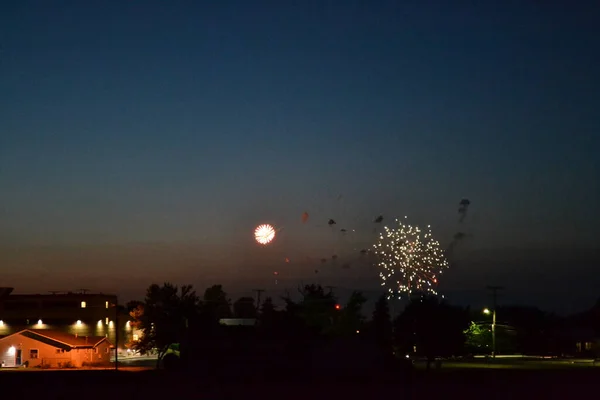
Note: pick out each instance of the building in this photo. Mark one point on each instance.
(583, 342)
(44, 347)
(76, 313)
(238, 321)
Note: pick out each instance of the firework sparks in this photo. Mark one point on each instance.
(410, 260)
(264, 234)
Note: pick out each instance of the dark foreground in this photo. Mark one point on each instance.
(444, 384)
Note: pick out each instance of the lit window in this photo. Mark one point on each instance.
(33, 353)
(135, 337)
(106, 304)
(83, 304)
(99, 323)
(107, 350)
(588, 345)
(106, 320)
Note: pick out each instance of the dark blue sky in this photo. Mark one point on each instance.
(186, 123)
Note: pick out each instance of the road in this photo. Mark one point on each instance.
(514, 363)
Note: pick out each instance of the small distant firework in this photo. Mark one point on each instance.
(410, 260)
(264, 234)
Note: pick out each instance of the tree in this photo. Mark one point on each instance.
(164, 317)
(382, 325)
(133, 304)
(267, 308)
(350, 318)
(244, 308)
(434, 328)
(136, 312)
(317, 308)
(478, 338)
(216, 304)
(267, 312)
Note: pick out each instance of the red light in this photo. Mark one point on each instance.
(337, 306)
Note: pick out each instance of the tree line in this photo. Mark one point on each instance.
(428, 327)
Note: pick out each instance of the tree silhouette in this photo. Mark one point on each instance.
(317, 308)
(216, 304)
(349, 319)
(268, 316)
(244, 308)
(267, 308)
(164, 317)
(433, 328)
(382, 325)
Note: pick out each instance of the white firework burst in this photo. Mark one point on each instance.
(410, 260)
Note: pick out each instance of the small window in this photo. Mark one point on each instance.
(135, 337)
(588, 345)
(83, 304)
(96, 350)
(106, 320)
(57, 351)
(107, 350)
(33, 353)
(106, 304)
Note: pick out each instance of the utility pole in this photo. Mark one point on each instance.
(494, 290)
(258, 293)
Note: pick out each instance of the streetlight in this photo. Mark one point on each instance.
(493, 312)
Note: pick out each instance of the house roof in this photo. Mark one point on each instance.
(60, 339)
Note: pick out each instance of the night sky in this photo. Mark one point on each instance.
(142, 141)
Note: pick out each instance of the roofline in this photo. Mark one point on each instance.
(100, 341)
(13, 295)
(93, 346)
(47, 337)
(7, 336)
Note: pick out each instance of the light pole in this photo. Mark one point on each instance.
(487, 312)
